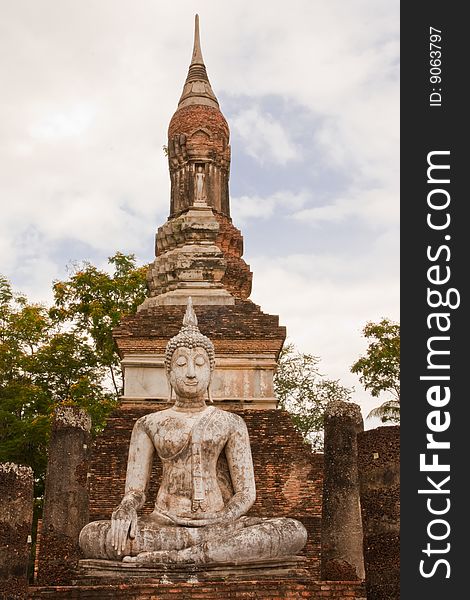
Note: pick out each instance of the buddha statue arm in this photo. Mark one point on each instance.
(139, 466)
(240, 462)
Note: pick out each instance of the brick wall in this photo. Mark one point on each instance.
(240, 590)
(289, 483)
(242, 321)
(379, 473)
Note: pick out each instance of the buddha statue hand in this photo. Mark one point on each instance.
(200, 519)
(123, 523)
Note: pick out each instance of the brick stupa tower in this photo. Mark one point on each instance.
(199, 254)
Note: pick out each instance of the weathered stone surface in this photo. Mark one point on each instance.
(237, 278)
(379, 472)
(187, 259)
(341, 517)
(199, 512)
(66, 495)
(100, 571)
(223, 247)
(16, 518)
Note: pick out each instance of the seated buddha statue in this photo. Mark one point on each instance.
(199, 515)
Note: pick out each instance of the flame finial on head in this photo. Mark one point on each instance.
(190, 318)
(189, 336)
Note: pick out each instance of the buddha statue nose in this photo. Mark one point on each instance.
(190, 372)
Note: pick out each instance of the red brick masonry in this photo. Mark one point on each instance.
(240, 590)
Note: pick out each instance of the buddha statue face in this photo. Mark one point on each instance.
(190, 372)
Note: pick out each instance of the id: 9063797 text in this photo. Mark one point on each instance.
(435, 71)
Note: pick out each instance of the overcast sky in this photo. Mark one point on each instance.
(310, 91)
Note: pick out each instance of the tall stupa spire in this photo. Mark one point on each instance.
(199, 254)
(197, 54)
(198, 251)
(197, 88)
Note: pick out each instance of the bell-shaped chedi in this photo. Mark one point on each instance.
(198, 253)
(198, 250)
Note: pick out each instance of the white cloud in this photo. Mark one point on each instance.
(245, 208)
(71, 123)
(325, 302)
(375, 207)
(263, 137)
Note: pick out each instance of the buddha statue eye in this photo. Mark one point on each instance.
(200, 360)
(181, 361)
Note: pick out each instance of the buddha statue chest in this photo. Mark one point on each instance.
(177, 436)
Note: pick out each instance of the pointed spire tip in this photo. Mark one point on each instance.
(197, 54)
(202, 92)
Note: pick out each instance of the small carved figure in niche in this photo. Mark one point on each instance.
(199, 184)
(196, 518)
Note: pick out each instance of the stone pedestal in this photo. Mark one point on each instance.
(341, 517)
(66, 495)
(379, 472)
(99, 572)
(16, 518)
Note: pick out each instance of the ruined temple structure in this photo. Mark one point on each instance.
(198, 253)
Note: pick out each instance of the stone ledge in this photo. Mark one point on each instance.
(101, 571)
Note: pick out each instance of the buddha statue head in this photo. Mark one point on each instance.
(189, 359)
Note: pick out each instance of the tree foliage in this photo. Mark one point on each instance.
(41, 367)
(64, 355)
(379, 369)
(93, 302)
(23, 403)
(304, 392)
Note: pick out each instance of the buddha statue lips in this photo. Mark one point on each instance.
(195, 518)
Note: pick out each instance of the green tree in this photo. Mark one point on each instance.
(64, 355)
(43, 364)
(24, 406)
(379, 369)
(304, 392)
(92, 302)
